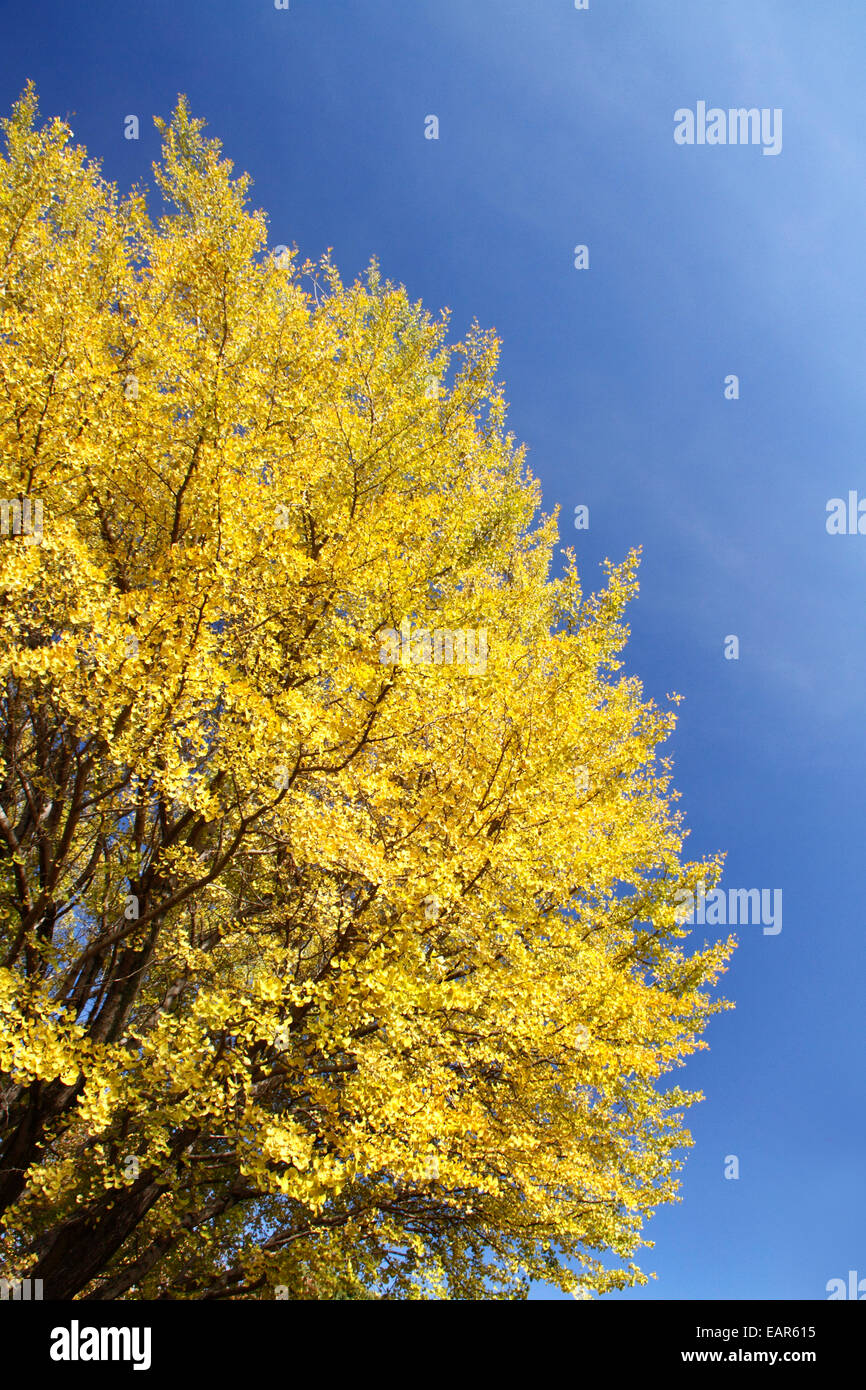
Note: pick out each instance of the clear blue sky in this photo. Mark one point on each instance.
(556, 129)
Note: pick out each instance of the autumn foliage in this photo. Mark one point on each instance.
(322, 975)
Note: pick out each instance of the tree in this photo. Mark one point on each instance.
(338, 907)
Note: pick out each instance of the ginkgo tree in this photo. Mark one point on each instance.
(324, 972)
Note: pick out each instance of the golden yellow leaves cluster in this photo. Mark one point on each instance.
(317, 973)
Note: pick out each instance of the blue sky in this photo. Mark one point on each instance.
(556, 129)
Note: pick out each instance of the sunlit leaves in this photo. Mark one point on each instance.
(240, 1050)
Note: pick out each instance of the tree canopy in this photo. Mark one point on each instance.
(333, 963)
